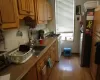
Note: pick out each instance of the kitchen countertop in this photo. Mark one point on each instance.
(17, 71)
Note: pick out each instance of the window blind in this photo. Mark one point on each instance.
(64, 16)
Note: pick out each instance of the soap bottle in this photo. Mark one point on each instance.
(41, 40)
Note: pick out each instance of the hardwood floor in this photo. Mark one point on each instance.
(69, 69)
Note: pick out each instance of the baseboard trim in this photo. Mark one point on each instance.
(76, 54)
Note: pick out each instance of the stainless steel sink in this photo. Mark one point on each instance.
(37, 50)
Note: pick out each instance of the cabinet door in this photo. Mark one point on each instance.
(52, 58)
(97, 21)
(53, 52)
(44, 72)
(45, 11)
(96, 29)
(40, 65)
(31, 75)
(40, 11)
(23, 7)
(9, 13)
(31, 7)
(26, 8)
(49, 12)
(93, 66)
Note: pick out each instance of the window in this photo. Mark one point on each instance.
(67, 36)
(65, 19)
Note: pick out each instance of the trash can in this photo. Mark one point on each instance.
(67, 52)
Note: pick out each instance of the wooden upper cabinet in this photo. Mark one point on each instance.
(49, 12)
(26, 8)
(40, 11)
(31, 7)
(9, 13)
(22, 7)
(45, 11)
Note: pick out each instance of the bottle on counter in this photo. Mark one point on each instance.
(41, 40)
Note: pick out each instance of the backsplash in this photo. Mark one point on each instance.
(12, 41)
(40, 26)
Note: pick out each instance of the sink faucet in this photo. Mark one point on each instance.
(33, 43)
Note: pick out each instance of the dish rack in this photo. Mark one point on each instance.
(19, 57)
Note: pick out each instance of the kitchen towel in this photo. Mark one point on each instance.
(97, 54)
(49, 63)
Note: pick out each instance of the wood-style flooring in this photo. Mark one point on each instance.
(69, 69)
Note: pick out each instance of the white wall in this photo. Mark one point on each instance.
(76, 42)
(11, 40)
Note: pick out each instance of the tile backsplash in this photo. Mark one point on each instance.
(12, 41)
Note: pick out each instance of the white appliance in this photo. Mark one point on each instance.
(59, 48)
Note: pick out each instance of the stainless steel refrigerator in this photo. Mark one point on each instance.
(86, 38)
